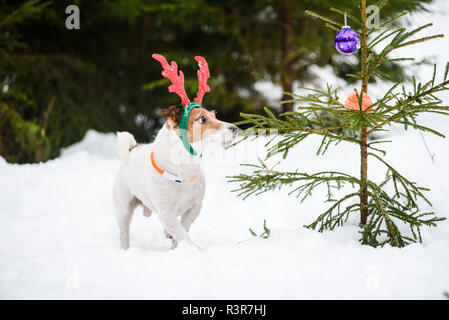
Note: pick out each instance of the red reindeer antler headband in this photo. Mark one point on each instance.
(177, 86)
(203, 75)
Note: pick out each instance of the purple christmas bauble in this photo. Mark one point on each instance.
(347, 41)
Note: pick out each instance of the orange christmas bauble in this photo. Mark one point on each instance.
(352, 101)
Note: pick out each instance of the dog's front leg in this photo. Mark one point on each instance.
(190, 216)
(173, 227)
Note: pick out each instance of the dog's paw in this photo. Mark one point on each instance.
(174, 243)
(146, 212)
(168, 235)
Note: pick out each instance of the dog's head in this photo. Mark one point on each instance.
(202, 126)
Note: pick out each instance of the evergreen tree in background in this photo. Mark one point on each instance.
(63, 82)
(22, 134)
(382, 205)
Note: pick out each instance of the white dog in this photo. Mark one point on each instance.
(164, 177)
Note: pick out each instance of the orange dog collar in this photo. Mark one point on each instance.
(168, 175)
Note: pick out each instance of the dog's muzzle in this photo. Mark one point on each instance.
(230, 134)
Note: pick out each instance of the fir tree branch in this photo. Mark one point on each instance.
(406, 184)
(409, 109)
(350, 16)
(387, 22)
(330, 26)
(419, 40)
(391, 229)
(327, 221)
(397, 42)
(325, 19)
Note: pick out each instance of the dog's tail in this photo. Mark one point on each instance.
(125, 142)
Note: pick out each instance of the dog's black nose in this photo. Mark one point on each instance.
(234, 129)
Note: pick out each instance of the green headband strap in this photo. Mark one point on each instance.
(183, 127)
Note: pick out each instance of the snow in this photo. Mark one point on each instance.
(59, 238)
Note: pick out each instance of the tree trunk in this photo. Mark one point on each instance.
(363, 176)
(363, 131)
(287, 47)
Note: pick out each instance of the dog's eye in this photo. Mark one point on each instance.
(202, 120)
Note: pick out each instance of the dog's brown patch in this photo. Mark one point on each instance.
(172, 115)
(197, 128)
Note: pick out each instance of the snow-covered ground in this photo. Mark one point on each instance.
(59, 239)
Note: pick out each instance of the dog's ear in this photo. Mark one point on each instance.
(172, 115)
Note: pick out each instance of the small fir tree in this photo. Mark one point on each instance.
(381, 205)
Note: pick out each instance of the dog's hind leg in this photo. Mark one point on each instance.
(125, 203)
(124, 215)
